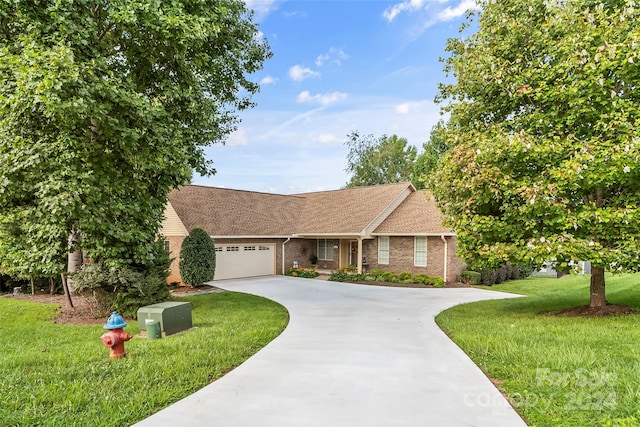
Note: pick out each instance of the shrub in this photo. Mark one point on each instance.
(339, 276)
(488, 277)
(525, 270)
(501, 274)
(389, 276)
(313, 259)
(421, 279)
(351, 268)
(376, 274)
(197, 258)
(470, 277)
(405, 275)
(307, 273)
(437, 282)
(124, 289)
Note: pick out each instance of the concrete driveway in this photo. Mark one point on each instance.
(352, 355)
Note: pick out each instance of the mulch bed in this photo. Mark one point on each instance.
(586, 311)
(82, 313)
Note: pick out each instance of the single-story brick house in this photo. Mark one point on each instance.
(389, 227)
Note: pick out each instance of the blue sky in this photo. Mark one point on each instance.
(338, 66)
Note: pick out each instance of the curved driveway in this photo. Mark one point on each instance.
(352, 355)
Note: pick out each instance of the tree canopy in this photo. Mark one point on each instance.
(104, 107)
(379, 160)
(544, 119)
(430, 159)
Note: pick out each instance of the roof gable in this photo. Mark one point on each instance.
(417, 214)
(348, 211)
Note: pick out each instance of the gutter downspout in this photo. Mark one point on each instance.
(446, 256)
(284, 243)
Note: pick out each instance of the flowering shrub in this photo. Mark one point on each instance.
(307, 273)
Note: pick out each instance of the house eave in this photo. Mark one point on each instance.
(446, 234)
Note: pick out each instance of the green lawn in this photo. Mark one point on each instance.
(61, 375)
(557, 370)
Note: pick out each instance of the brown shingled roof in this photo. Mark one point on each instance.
(224, 212)
(418, 214)
(345, 211)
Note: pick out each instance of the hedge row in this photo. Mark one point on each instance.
(307, 273)
(405, 277)
(490, 277)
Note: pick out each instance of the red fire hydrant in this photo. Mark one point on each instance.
(116, 337)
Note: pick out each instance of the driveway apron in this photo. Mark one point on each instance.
(351, 355)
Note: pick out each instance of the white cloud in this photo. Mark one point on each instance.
(268, 80)
(321, 59)
(237, 138)
(409, 5)
(322, 99)
(412, 107)
(334, 56)
(261, 8)
(447, 14)
(456, 12)
(299, 73)
(326, 138)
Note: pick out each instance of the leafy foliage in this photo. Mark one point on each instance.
(307, 273)
(378, 160)
(197, 258)
(469, 277)
(383, 276)
(105, 107)
(124, 289)
(430, 159)
(544, 118)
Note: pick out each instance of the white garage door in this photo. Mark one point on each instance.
(245, 260)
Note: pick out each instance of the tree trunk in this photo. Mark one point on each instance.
(33, 287)
(52, 286)
(65, 287)
(74, 259)
(597, 291)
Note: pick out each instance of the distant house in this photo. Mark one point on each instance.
(390, 227)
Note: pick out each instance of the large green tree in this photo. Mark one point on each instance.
(378, 160)
(545, 119)
(430, 159)
(106, 105)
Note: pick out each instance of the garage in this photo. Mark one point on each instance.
(245, 260)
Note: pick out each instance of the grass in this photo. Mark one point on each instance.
(557, 370)
(61, 375)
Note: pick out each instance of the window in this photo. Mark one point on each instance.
(420, 251)
(249, 248)
(383, 250)
(166, 246)
(233, 249)
(218, 249)
(325, 249)
(263, 248)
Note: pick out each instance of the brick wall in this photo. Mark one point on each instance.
(401, 256)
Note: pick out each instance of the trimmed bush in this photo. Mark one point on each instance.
(307, 273)
(470, 277)
(197, 258)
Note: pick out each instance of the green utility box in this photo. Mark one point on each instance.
(173, 316)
